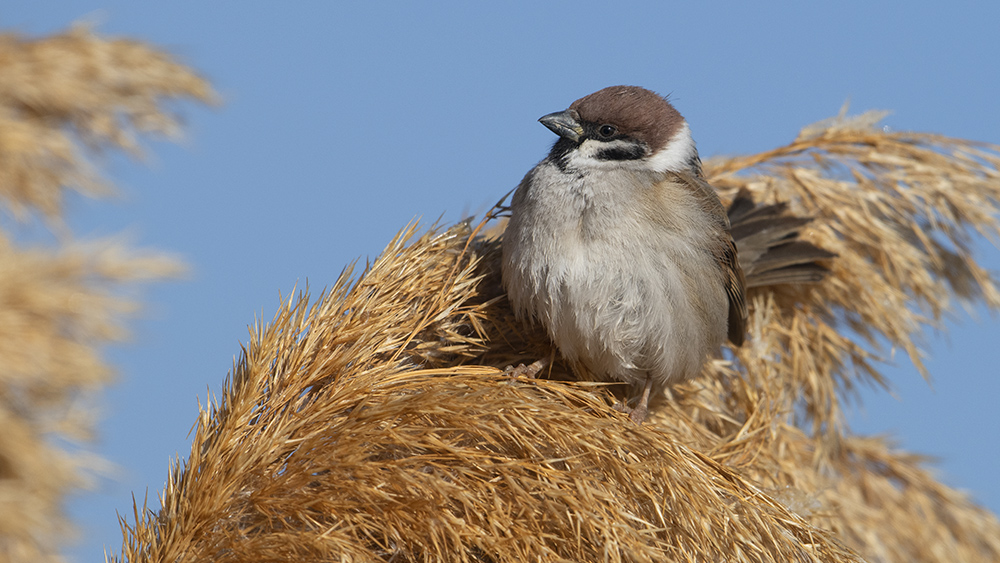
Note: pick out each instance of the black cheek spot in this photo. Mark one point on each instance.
(627, 152)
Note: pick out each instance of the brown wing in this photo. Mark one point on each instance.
(726, 255)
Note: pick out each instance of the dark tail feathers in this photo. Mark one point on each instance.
(770, 252)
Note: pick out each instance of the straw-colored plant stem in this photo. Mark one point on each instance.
(373, 422)
(61, 98)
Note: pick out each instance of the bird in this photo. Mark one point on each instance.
(618, 246)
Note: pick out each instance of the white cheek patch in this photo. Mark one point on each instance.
(585, 156)
(677, 154)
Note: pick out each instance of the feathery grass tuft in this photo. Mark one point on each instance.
(73, 89)
(373, 422)
(61, 98)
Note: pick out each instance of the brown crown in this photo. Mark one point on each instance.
(635, 111)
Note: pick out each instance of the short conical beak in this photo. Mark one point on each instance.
(566, 124)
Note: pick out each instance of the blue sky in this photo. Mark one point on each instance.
(344, 121)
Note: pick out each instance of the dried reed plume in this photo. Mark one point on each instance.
(373, 423)
(60, 98)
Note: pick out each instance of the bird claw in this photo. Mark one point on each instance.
(530, 371)
(637, 414)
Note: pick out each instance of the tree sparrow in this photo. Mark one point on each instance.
(618, 246)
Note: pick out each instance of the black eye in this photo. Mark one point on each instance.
(607, 130)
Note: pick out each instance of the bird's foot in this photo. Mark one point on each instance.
(637, 414)
(530, 371)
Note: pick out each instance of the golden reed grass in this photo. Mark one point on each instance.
(372, 422)
(63, 98)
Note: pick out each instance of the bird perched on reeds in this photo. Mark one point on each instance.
(618, 246)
